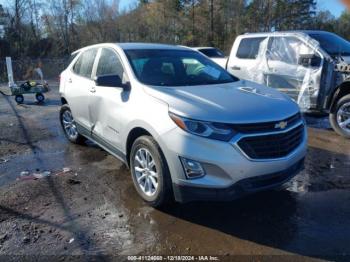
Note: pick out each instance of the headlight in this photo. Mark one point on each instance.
(216, 131)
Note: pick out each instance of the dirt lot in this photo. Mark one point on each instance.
(87, 205)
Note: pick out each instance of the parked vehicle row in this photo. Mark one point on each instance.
(187, 128)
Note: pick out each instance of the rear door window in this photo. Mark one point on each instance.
(249, 47)
(85, 63)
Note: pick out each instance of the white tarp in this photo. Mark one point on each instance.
(279, 64)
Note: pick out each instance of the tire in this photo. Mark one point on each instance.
(73, 135)
(163, 194)
(336, 117)
(40, 97)
(19, 99)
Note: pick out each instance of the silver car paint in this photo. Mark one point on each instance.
(227, 103)
(116, 113)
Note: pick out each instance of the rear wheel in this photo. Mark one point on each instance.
(69, 126)
(150, 172)
(340, 118)
(19, 99)
(40, 97)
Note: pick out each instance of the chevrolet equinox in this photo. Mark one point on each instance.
(186, 128)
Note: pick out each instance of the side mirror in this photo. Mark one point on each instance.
(310, 60)
(111, 81)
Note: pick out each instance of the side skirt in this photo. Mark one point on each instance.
(102, 143)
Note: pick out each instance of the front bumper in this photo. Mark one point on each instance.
(241, 188)
(228, 170)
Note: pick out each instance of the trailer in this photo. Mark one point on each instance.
(20, 88)
(29, 88)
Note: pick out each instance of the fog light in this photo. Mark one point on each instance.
(193, 169)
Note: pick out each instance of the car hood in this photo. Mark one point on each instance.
(237, 102)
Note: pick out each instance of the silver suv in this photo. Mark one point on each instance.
(186, 128)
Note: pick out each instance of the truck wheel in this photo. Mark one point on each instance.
(19, 99)
(150, 172)
(40, 97)
(340, 118)
(69, 126)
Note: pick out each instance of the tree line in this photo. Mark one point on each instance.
(55, 28)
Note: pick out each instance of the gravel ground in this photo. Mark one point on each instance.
(61, 201)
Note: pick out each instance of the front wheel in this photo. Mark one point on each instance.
(69, 126)
(150, 172)
(340, 118)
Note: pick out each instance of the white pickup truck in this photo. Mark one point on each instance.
(310, 66)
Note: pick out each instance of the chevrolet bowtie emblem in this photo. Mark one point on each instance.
(281, 125)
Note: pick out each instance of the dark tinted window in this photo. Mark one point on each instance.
(333, 44)
(76, 67)
(83, 66)
(176, 68)
(249, 47)
(109, 64)
(212, 52)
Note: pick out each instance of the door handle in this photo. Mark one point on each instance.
(235, 68)
(93, 89)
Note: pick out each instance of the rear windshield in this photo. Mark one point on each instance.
(333, 44)
(176, 68)
(212, 52)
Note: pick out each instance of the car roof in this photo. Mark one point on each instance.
(308, 32)
(129, 46)
(203, 47)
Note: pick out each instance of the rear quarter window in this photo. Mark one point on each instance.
(83, 66)
(249, 47)
(72, 57)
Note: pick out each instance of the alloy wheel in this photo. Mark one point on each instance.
(69, 125)
(146, 173)
(343, 117)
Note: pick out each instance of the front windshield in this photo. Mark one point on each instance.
(176, 68)
(333, 44)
